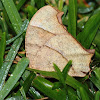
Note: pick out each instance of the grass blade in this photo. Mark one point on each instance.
(95, 77)
(83, 93)
(72, 16)
(8, 60)
(87, 35)
(2, 46)
(72, 94)
(11, 55)
(97, 40)
(13, 14)
(59, 73)
(1, 7)
(4, 26)
(66, 69)
(60, 5)
(64, 17)
(97, 95)
(23, 93)
(29, 81)
(13, 39)
(22, 64)
(69, 80)
(45, 87)
(35, 94)
(15, 98)
(23, 29)
(20, 4)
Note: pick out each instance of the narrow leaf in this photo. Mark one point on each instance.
(83, 93)
(56, 85)
(97, 95)
(15, 98)
(8, 60)
(59, 73)
(13, 14)
(97, 40)
(2, 46)
(69, 81)
(65, 8)
(71, 94)
(20, 4)
(34, 93)
(10, 57)
(66, 69)
(72, 16)
(4, 26)
(45, 87)
(22, 64)
(87, 35)
(23, 93)
(28, 81)
(23, 29)
(95, 77)
(60, 5)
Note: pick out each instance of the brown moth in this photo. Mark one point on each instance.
(47, 41)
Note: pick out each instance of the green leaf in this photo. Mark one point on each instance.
(15, 98)
(57, 85)
(25, 75)
(22, 64)
(95, 77)
(83, 10)
(13, 39)
(16, 22)
(66, 69)
(23, 93)
(97, 10)
(96, 40)
(97, 73)
(52, 74)
(22, 30)
(97, 95)
(35, 94)
(72, 17)
(27, 83)
(87, 35)
(60, 5)
(56, 2)
(20, 4)
(83, 93)
(81, 23)
(1, 6)
(65, 8)
(33, 3)
(71, 94)
(31, 11)
(2, 46)
(70, 80)
(45, 87)
(13, 14)
(39, 3)
(8, 60)
(11, 55)
(4, 26)
(59, 73)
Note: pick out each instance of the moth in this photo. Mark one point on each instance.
(47, 41)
